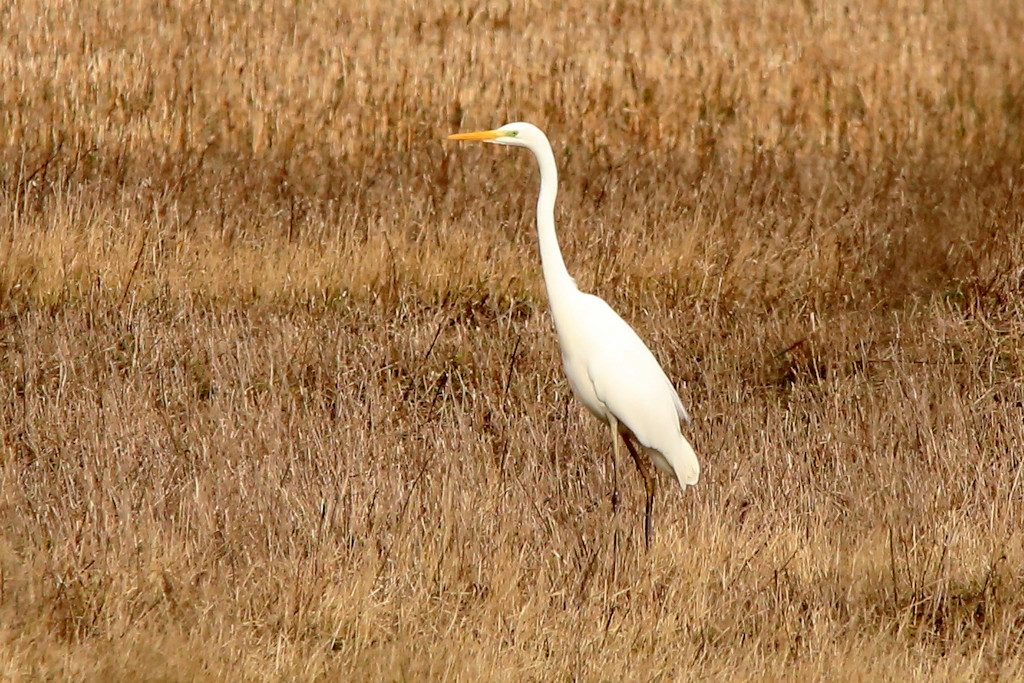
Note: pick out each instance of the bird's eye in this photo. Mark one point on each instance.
(512, 133)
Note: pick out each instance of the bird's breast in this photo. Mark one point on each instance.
(583, 387)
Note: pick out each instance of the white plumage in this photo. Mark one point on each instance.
(610, 369)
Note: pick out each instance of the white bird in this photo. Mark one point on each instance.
(609, 368)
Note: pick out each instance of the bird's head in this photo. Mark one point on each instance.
(517, 134)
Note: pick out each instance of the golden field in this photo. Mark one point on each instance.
(280, 398)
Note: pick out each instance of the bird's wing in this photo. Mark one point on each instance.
(632, 386)
(628, 379)
(629, 383)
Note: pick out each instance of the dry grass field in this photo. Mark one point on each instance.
(280, 398)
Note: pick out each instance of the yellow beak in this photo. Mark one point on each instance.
(478, 135)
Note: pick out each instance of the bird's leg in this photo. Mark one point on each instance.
(614, 425)
(650, 482)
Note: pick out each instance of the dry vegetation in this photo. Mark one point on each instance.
(280, 399)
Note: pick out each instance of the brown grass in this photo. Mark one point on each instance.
(280, 398)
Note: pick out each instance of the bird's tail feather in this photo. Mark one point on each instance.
(684, 463)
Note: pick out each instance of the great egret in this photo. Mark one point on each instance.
(609, 368)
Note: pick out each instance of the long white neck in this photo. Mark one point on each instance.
(556, 277)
